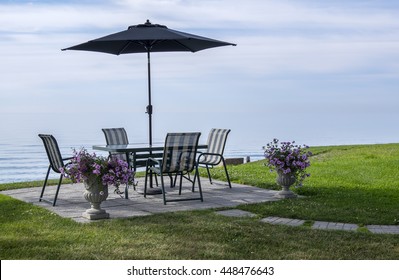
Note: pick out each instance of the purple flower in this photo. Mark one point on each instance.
(288, 158)
(85, 165)
(286, 171)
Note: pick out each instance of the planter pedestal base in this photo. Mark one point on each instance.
(95, 214)
(95, 193)
(285, 193)
(285, 181)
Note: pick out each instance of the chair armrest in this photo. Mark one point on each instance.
(209, 154)
(69, 161)
(68, 158)
(153, 160)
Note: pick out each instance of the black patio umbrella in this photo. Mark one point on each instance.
(147, 38)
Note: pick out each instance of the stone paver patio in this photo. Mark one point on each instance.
(71, 203)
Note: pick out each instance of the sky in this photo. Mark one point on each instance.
(320, 72)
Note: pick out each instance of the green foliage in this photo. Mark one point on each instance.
(32, 184)
(30, 232)
(354, 184)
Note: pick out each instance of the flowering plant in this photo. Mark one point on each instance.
(107, 171)
(288, 158)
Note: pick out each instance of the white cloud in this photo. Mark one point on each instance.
(233, 14)
(276, 40)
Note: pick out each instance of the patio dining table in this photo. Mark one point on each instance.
(139, 153)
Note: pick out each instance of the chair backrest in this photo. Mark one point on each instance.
(53, 152)
(180, 151)
(216, 142)
(116, 136)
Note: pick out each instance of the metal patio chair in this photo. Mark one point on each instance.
(116, 136)
(214, 155)
(56, 162)
(179, 156)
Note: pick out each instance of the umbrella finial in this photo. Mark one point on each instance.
(147, 24)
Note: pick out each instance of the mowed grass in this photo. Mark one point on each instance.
(353, 184)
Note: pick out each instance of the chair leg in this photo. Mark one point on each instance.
(199, 183)
(57, 191)
(45, 182)
(227, 174)
(156, 179)
(163, 189)
(145, 181)
(181, 182)
(127, 191)
(196, 174)
(209, 174)
(195, 178)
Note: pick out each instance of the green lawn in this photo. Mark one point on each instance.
(353, 184)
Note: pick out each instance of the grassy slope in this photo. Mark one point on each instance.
(356, 184)
(353, 184)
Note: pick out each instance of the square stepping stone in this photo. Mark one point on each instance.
(283, 221)
(236, 213)
(383, 229)
(334, 226)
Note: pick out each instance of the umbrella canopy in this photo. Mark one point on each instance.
(147, 38)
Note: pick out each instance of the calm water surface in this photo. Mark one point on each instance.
(28, 162)
(23, 158)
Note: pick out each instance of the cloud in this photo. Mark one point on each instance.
(207, 14)
(277, 40)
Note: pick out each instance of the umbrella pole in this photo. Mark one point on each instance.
(149, 110)
(149, 107)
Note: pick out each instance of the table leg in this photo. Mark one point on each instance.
(127, 184)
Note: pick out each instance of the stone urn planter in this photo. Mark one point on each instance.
(97, 173)
(95, 193)
(285, 181)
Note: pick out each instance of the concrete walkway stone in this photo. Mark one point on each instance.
(236, 213)
(383, 229)
(334, 226)
(283, 221)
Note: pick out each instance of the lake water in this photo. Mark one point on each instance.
(27, 160)
(23, 158)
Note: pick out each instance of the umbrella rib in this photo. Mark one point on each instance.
(125, 47)
(148, 45)
(155, 42)
(191, 50)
